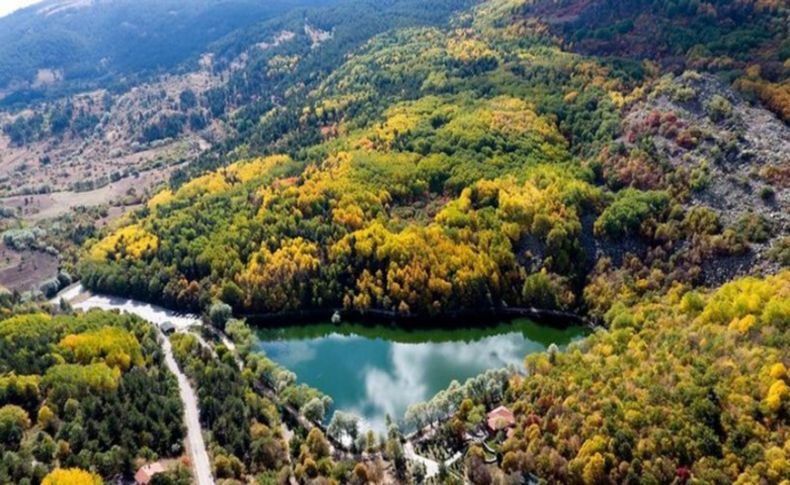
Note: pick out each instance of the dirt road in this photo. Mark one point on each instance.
(197, 448)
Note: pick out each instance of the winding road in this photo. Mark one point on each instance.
(83, 300)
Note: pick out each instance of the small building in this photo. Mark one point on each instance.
(145, 474)
(167, 327)
(499, 419)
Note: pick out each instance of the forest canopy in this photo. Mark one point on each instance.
(83, 392)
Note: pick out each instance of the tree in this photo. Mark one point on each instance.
(478, 471)
(241, 335)
(317, 444)
(344, 427)
(187, 99)
(219, 314)
(13, 423)
(418, 472)
(314, 410)
(360, 475)
(71, 476)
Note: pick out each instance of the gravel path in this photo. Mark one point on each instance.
(431, 466)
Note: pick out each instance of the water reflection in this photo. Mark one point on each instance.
(377, 371)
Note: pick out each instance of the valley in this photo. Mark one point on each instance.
(319, 242)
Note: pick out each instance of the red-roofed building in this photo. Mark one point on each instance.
(499, 419)
(145, 474)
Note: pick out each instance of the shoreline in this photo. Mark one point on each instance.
(553, 318)
(447, 320)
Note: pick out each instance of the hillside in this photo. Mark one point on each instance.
(442, 170)
(745, 42)
(83, 158)
(64, 45)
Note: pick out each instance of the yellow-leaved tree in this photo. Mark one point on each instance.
(71, 476)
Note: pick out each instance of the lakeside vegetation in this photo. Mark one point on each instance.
(543, 334)
(687, 387)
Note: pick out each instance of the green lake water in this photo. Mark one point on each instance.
(373, 371)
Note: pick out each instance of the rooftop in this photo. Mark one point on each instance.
(145, 474)
(500, 418)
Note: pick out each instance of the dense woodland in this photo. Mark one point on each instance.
(689, 387)
(439, 170)
(85, 392)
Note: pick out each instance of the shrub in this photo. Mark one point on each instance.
(767, 193)
(718, 108)
(754, 227)
(50, 287)
(781, 251)
(21, 239)
(543, 291)
(631, 208)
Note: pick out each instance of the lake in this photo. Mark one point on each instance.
(374, 371)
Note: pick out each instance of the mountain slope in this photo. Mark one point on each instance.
(58, 43)
(746, 41)
(444, 170)
(495, 161)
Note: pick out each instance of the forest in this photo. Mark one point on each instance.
(688, 387)
(83, 392)
(118, 43)
(623, 162)
(442, 170)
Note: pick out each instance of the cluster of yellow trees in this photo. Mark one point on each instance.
(688, 384)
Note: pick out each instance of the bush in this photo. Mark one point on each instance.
(767, 193)
(781, 251)
(718, 108)
(21, 239)
(754, 227)
(241, 335)
(50, 287)
(540, 291)
(64, 279)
